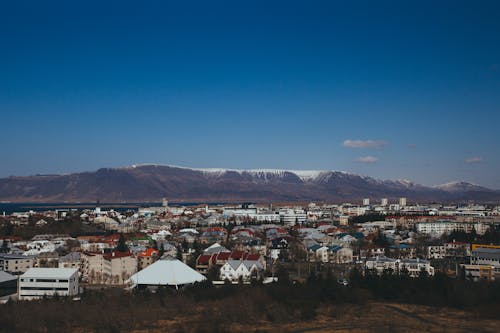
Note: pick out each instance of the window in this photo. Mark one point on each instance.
(46, 280)
(43, 288)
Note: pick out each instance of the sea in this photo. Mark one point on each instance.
(12, 207)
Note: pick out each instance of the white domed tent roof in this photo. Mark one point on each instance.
(167, 272)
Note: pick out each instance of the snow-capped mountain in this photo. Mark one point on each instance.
(459, 186)
(150, 182)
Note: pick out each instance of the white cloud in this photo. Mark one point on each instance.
(475, 159)
(376, 144)
(366, 159)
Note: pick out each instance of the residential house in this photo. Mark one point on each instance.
(234, 270)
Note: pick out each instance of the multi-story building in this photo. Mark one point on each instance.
(488, 257)
(444, 226)
(436, 252)
(108, 268)
(478, 272)
(412, 267)
(16, 263)
(40, 282)
(415, 267)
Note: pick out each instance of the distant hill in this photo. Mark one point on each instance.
(152, 182)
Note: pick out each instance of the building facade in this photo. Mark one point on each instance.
(41, 282)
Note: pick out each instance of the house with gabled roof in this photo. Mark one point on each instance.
(234, 270)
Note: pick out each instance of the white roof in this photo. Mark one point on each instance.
(190, 230)
(171, 272)
(55, 273)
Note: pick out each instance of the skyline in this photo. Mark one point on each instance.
(387, 90)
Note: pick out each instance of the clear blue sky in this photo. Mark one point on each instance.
(250, 84)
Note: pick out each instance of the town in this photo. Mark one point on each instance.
(66, 252)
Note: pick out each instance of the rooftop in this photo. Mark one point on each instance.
(55, 273)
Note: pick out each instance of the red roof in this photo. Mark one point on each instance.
(252, 257)
(204, 259)
(223, 255)
(149, 253)
(237, 254)
(116, 254)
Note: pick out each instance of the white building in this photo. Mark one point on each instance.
(168, 272)
(366, 202)
(40, 282)
(402, 202)
(436, 252)
(233, 270)
(384, 202)
(292, 216)
(413, 267)
(439, 228)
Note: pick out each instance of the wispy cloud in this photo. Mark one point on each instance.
(475, 159)
(366, 159)
(373, 144)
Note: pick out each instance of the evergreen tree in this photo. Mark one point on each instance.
(122, 245)
(5, 246)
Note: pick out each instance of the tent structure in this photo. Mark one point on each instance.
(166, 272)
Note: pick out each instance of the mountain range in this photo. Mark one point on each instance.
(141, 183)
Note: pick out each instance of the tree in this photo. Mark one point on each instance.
(122, 245)
(283, 275)
(179, 253)
(161, 251)
(213, 273)
(5, 246)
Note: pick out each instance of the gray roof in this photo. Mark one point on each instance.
(4, 277)
(54, 273)
(14, 256)
(487, 253)
(72, 256)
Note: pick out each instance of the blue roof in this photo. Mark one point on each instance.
(401, 246)
(358, 235)
(314, 247)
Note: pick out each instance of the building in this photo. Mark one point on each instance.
(16, 263)
(415, 267)
(234, 270)
(292, 216)
(478, 272)
(412, 267)
(402, 202)
(108, 268)
(8, 283)
(165, 272)
(369, 251)
(366, 202)
(71, 260)
(441, 227)
(381, 264)
(147, 257)
(436, 252)
(488, 257)
(384, 202)
(40, 282)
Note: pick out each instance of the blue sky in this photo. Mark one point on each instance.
(414, 86)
